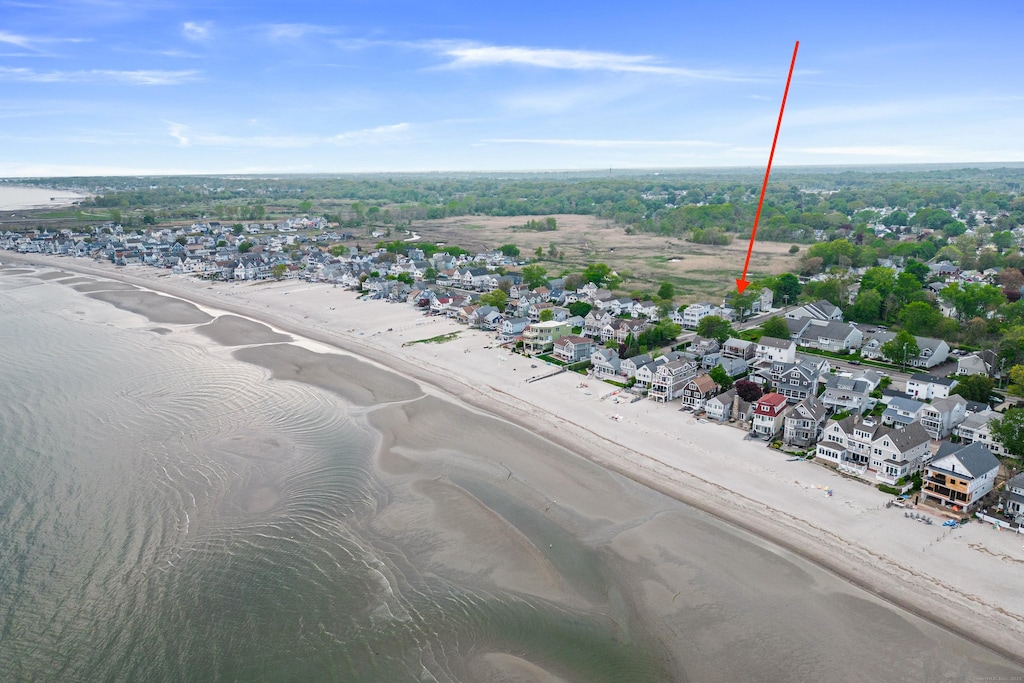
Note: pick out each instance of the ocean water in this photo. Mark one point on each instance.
(169, 513)
(13, 197)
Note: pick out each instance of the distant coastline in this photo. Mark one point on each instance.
(24, 197)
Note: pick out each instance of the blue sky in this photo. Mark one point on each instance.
(158, 86)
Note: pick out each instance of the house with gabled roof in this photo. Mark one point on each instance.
(739, 348)
(605, 363)
(698, 390)
(804, 424)
(960, 476)
(1012, 498)
(773, 350)
(819, 310)
(940, 417)
(670, 378)
(977, 427)
(830, 335)
(572, 349)
(925, 387)
(769, 415)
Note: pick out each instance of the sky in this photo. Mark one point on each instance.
(112, 87)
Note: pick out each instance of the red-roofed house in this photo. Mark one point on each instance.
(769, 414)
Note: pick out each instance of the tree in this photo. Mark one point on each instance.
(920, 318)
(1011, 279)
(598, 273)
(721, 377)
(546, 315)
(907, 288)
(868, 306)
(715, 327)
(278, 270)
(496, 298)
(510, 250)
(747, 390)
(666, 291)
(901, 348)
(244, 247)
(972, 299)
(775, 326)
(580, 308)
(535, 275)
(430, 274)
(918, 270)
(742, 303)
(787, 288)
(974, 388)
(1016, 380)
(1009, 431)
(880, 279)
(540, 252)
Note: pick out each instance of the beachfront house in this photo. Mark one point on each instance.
(573, 349)
(604, 363)
(856, 447)
(1012, 499)
(804, 423)
(960, 476)
(901, 411)
(513, 327)
(541, 337)
(698, 390)
(769, 415)
(899, 453)
(670, 378)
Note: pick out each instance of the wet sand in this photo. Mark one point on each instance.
(514, 508)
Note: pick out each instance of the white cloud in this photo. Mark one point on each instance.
(196, 31)
(295, 31)
(576, 142)
(890, 151)
(371, 135)
(140, 77)
(380, 134)
(33, 43)
(470, 55)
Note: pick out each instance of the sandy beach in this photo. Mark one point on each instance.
(963, 579)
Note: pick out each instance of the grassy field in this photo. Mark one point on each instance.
(697, 271)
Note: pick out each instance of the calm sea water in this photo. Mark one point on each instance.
(167, 513)
(22, 197)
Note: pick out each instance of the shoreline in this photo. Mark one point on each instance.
(978, 613)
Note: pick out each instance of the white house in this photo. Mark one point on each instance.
(775, 350)
(925, 387)
(694, 313)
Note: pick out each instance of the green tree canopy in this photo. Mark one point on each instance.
(580, 308)
(901, 348)
(666, 291)
(546, 315)
(715, 327)
(775, 326)
(972, 299)
(920, 318)
(721, 377)
(510, 250)
(535, 275)
(278, 270)
(600, 274)
(868, 306)
(243, 247)
(1009, 430)
(496, 298)
(974, 388)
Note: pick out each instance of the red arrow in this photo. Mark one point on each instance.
(742, 283)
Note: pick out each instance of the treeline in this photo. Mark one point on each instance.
(797, 204)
